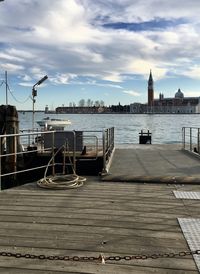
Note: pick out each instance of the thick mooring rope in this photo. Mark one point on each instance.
(61, 181)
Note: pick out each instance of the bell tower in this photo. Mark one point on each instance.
(150, 91)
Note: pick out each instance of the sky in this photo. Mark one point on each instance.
(97, 50)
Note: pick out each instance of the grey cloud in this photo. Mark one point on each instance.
(89, 49)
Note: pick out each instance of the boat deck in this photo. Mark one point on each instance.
(113, 219)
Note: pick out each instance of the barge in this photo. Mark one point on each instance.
(25, 154)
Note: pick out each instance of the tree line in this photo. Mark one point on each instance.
(98, 106)
(87, 103)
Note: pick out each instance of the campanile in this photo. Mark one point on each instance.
(150, 91)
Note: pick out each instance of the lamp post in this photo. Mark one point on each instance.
(34, 94)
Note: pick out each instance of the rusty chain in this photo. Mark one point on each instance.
(101, 257)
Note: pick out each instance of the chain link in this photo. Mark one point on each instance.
(101, 257)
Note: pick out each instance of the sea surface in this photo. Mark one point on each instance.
(165, 128)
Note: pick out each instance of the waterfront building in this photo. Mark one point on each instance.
(177, 104)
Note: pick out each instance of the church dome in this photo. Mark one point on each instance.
(179, 94)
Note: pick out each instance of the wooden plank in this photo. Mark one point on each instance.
(9, 270)
(95, 219)
(91, 268)
(75, 220)
(6, 214)
(106, 245)
(91, 229)
(101, 211)
(100, 241)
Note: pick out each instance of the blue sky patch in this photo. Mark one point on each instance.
(23, 29)
(3, 45)
(149, 25)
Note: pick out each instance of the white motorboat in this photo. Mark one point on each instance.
(53, 123)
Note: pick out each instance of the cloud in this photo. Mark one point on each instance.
(26, 78)
(66, 39)
(94, 82)
(143, 67)
(11, 67)
(8, 57)
(86, 54)
(113, 77)
(63, 78)
(132, 93)
(21, 54)
(193, 72)
(37, 72)
(25, 84)
(141, 10)
(26, 81)
(192, 93)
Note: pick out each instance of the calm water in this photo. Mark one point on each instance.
(164, 128)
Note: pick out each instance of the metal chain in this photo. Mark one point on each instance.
(101, 257)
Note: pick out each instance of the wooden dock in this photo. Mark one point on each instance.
(113, 219)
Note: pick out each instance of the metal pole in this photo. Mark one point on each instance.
(64, 160)
(53, 153)
(112, 138)
(198, 141)
(29, 139)
(183, 137)
(15, 155)
(34, 93)
(104, 153)
(74, 151)
(190, 139)
(33, 119)
(6, 80)
(0, 161)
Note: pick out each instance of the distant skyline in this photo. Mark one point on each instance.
(98, 50)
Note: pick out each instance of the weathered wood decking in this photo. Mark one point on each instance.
(100, 217)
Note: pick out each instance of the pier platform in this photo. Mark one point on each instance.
(133, 227)
(154, 163)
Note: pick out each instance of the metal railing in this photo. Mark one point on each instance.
(108, 146)
(15, 147)
(191, 139)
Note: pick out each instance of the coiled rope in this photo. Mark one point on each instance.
(61, 181)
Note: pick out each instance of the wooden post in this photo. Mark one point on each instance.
(12, 127)
(9, 124)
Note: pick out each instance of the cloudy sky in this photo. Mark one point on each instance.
(98, 50)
